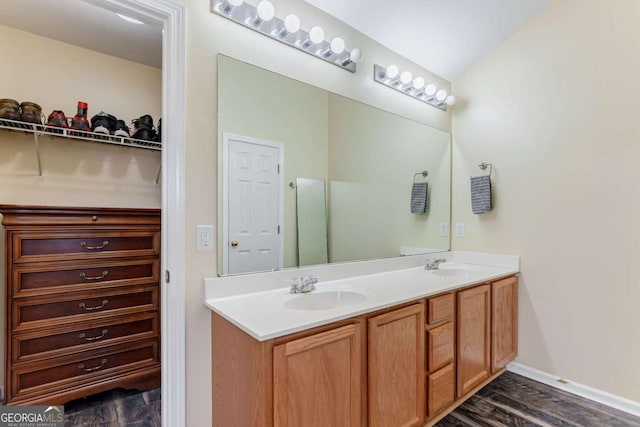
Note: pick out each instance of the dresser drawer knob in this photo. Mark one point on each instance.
(95, 368)
(98, 307)
(102, 276)
(83, 244)
(94, 218)
(84, 336)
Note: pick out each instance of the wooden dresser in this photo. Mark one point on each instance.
(82, 301)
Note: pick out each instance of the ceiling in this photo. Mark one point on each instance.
(443, 36)
(80, 23)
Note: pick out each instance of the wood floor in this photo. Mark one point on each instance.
(512, 400)
(116, 408)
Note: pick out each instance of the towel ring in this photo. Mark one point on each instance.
(484, 165)
(423, 173)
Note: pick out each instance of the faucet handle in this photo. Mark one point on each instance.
(296, 284)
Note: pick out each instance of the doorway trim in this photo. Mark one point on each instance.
(226, 137)
(173, 310)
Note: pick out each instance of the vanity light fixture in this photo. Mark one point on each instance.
(262, 18)
(414, 87)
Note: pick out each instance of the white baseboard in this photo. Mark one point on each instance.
(581, 390)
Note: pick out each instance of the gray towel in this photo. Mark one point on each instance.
(480, 194)
(419, 203)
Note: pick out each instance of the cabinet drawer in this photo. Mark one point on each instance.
(88, 335)
(440, 309)
(32, 279)
(31, 246)
(83, 367)
(75, 307)
(440, 346)
(440, 390)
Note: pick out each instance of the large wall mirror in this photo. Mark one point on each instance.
(277, 134)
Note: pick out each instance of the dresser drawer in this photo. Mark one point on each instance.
(440, 309)
(32, 279)
(63, 340)
(440, 346)
(61, 309)
(33, 246)
(82, 368)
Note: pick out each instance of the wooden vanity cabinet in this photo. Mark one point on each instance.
(474, 337)
(402, 366)
(396, 368)
(82, 301)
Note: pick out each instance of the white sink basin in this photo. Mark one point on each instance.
(451, 269)
(324, 300)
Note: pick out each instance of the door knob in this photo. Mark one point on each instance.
(234, 243)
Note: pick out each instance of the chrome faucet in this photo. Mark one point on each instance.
(434, 264)
(301, 285)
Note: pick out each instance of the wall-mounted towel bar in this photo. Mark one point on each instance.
(423, 173)
(483, 166)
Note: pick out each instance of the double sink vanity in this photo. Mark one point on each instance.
(377, 343)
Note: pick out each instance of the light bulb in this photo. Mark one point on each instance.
(418, 83)
(316, 35)
(337, 45)
(229, 5)
(291, 24)
(430, 89)
(450, 100)
(356, 55)
(391, 72)
(406, 77)
(441, 95)
(265, 10)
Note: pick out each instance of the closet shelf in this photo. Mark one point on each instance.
(39, 130)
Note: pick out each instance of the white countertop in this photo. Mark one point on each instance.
(265, 315)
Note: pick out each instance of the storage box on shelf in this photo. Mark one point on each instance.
(82, 301)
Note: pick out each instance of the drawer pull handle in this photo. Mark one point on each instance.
(105, 243)
(95, 368)
(98, 307)
(84, 336)
(102, 276)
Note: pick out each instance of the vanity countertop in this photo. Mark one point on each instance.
(266, 315)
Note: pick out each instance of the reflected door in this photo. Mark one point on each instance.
(253, 242)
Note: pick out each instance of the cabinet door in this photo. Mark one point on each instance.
(474, 309)
(317, 380)
(504, 322)
(396, 368)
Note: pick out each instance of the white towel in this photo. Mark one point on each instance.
(480, 194)
(419, 201)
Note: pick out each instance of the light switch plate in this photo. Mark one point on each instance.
(204, 238)
(444, 229)
(459, 229)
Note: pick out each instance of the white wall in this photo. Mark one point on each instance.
(555, 109)
(207, 35)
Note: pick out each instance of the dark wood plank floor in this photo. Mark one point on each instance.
(115, 408)
(513, 400)
(510, 401)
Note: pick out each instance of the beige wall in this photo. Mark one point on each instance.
(208, 35)
(555, 109)
(56, 76)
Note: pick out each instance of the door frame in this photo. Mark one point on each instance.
(226, 137)
(171, 16)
